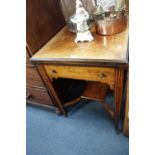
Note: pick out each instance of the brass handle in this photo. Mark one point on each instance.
(53, 71)
(102, 75)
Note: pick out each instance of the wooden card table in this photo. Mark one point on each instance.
(103, 60)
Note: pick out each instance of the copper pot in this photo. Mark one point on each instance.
(111, 23)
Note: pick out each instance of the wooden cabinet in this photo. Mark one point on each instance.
(36, 91)
(33, 78)
(38, 96)
(44, 19)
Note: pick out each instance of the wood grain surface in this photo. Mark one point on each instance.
(126, 119)
(33, 78)
(39, 96)
(104, 75)
(118, 93)
(95, 91)
(44, 19)
(62, 47)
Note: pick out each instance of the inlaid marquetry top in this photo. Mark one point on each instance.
(104, 49)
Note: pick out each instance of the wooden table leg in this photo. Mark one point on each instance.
(126, 119)
(118, 91)
(50, 88)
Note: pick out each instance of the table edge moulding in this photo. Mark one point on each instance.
(107, 51)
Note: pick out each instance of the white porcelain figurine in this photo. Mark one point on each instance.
(81, 17)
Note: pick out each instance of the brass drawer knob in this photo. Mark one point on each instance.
(53, 71)
(102, 75)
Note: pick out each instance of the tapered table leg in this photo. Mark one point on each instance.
(51, 89)
(126, 117)
(118, 91)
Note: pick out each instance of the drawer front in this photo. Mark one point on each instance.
(33, 78)
(39, 96)
(104, 75)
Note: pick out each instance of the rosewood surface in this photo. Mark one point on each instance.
(126, 119)
(103, 51)
(103, 75)
(44, 19)
(39, 96)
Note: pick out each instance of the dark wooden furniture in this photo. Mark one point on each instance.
(36, 91)
(43, 20)
(103, 60)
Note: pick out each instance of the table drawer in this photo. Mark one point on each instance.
(33, 78)
(38, 96)
(105, 75)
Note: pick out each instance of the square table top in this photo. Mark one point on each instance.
(112, 49)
